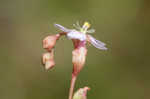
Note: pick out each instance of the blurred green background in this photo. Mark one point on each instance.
(122, 72)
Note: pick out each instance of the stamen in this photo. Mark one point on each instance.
(91, 31)
(78, 24)
(84, 28)
(86, 25)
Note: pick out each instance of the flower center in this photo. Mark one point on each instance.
(84, 28)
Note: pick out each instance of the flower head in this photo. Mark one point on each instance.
(79, 37)
(80, 33)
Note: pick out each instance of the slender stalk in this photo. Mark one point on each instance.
(73, 80)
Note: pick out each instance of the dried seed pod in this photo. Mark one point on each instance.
(78, 59)
(48, 60)
(50, 41)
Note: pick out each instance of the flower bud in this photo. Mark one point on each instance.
(50, 41)
(81, 93)
(48, 60)
(78, 59)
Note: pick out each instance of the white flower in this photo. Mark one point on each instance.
(76, 35)
(80, 34)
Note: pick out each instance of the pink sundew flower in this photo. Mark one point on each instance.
(79, 38)
(81, 35)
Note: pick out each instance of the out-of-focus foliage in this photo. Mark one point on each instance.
(122, 72)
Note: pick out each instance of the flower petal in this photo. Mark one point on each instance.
(62, 28)
(76, 35)
(96, 43)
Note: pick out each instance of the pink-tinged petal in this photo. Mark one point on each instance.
(96, 43)
(62, 28)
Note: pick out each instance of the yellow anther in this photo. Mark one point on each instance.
(86, 24)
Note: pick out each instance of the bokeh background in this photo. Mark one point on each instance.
(122, 72)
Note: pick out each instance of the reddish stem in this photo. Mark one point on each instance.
(73, 80)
